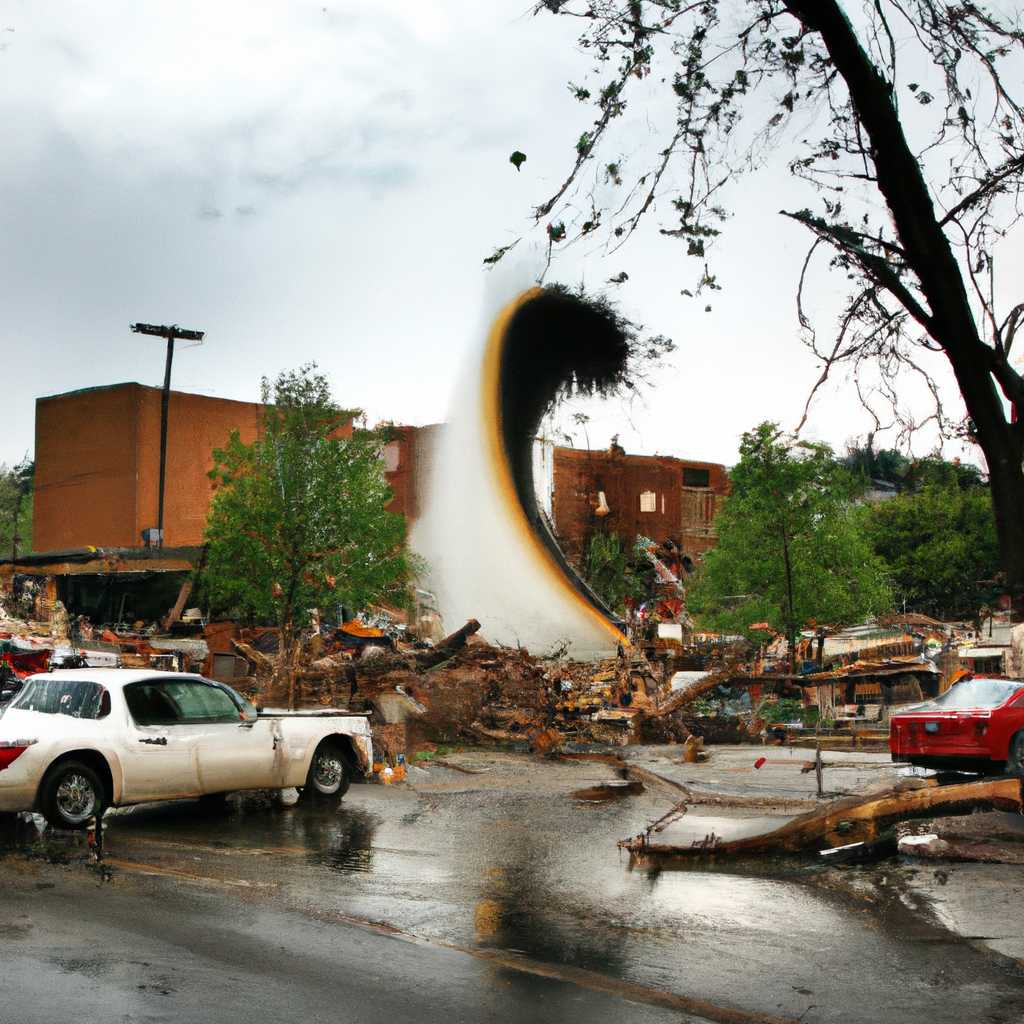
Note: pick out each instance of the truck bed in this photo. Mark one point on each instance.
(312, 713)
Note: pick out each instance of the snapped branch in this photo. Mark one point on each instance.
(878, 269)
(987, 188)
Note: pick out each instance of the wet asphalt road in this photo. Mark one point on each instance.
(491, 896)
(122, 953)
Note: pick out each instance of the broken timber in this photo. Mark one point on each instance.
(373, 668)
(848, 820)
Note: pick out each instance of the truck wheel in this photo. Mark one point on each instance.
(329, 775)
(1015, 756)
(70, 795)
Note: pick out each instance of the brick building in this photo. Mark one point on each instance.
(97, 477)
(98, 465)
(655, 496)
(407, 464)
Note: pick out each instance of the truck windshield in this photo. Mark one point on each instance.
(973, 693)
(76, 698)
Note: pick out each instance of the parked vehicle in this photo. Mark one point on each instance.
(76, 741)
(976, 725)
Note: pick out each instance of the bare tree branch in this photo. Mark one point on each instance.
(985, 190)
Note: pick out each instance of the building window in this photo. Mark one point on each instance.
(648, 501)
(696, 477)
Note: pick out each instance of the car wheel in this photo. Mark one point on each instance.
(329, 775)
(1015, 756)
(71, 794)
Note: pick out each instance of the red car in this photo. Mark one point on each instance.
(976, 725)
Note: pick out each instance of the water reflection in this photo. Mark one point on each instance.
(348, 845)
(340, 838)
(516, 908)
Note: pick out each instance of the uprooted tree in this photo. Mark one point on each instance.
(298, 519)
(912, 205)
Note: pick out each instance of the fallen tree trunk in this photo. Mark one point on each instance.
(259, 661)
(179, 606)
(728, 675)
(384, 664)
(681, 698)
(852, 819)
(447, 647)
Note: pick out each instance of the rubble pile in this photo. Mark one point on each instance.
(52, 639)
(457, 689)
(464, 690)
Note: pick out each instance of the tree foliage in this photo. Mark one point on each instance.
(791, 546)
(939, 544)
(16, 508)
(905, 119)
(298, 519)
(616, 571)
(891, 466)
(886, 465)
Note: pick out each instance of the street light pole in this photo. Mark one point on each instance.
(172, 334)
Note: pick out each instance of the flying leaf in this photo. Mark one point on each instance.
(517, 159)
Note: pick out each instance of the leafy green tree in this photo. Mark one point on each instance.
(16, 508)
(934, 470)
(871, 463)
(906, 474)
(298, 518)
(791, 546)
(939, 544)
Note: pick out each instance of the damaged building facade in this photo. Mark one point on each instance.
(97, 484)
(97, 471)
(655, 496)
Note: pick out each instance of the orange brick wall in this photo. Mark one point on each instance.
(196, 424)
(85, 469)
(98, 464)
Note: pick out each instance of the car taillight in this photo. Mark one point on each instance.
(11, 750)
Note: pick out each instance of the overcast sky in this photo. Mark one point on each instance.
(309, 182)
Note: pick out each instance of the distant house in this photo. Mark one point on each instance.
(655, 496)
(992, 651)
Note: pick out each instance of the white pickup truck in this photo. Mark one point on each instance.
(77, 741)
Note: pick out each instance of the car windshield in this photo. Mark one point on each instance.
(973, 693)
(76, 698)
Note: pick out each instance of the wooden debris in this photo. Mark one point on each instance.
(852, 819)
(260, 662)
(692, 750)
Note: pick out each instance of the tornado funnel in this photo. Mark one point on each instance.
(491, 552)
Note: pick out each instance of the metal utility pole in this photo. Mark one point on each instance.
(172, 333)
